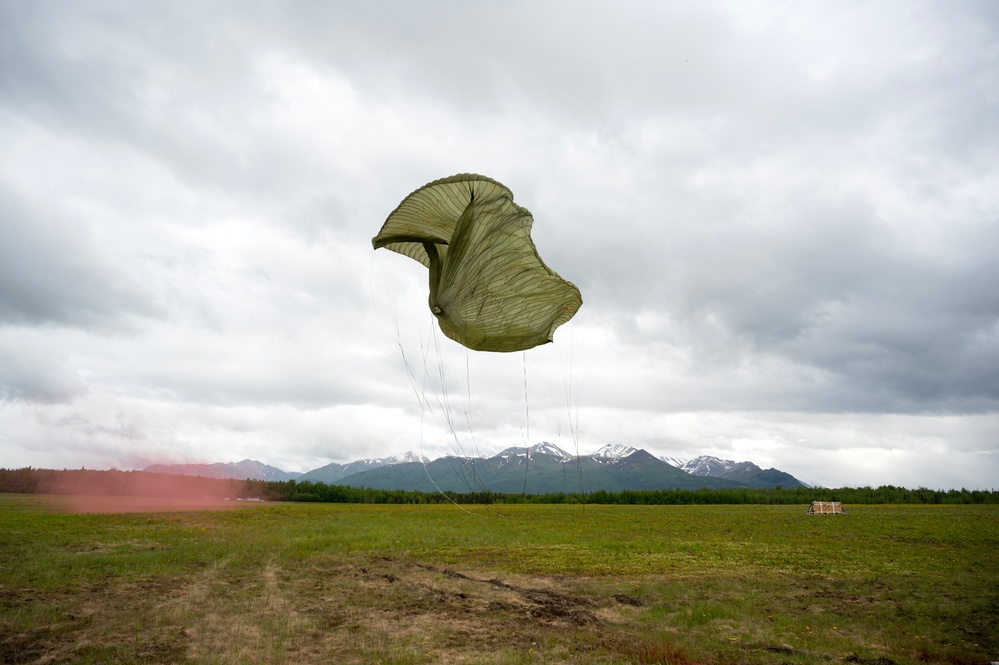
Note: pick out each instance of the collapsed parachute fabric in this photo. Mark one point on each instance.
(489, 289)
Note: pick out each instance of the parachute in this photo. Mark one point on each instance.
(489, 289)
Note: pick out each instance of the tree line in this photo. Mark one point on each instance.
(140, 483)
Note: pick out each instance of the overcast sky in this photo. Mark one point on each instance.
(783, 219)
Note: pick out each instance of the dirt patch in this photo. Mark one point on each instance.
(547, 603)
(390, 608)
(94, 623)
(23, 647)
(627, 600)
(322, 610)
(879, 660)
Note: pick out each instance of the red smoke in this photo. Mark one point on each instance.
(92, 491)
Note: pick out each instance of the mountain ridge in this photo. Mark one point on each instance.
(545, 468)
(537, 469)
(707, 465)
(242, 470)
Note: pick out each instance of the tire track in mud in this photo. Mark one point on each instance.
(548, 604)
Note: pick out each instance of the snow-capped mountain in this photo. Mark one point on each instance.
(405, 458)
(542, 467)
(743, 472)
(543, 448)
(678, 462)
(612, 452)
(247, 468)
(706, 465)
(335, 471)
(391, 459)
(546, 469)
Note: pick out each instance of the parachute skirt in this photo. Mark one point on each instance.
(489, 289)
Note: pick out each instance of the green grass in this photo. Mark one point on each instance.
(304, 583)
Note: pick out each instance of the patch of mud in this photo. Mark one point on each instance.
(25, 646)
(627, 600)
(878, 660)
(544, 603)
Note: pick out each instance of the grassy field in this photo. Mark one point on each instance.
(327, 583)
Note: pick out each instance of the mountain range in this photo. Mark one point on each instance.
(248, 468)
(540, 469)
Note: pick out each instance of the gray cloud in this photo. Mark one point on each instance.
(52, 272)
(34, 373)
(768, 211)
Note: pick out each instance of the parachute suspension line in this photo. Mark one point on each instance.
(443, 399)
(477, 480)
(420, 391)
(419, 387)
(527, 403)
(468, 421)
(572, 404)
(568, 400)
(444, 403)
(421, 398)
(449, 416)
(464, 469)
(468, 405)
(527, 426)
(558, 402)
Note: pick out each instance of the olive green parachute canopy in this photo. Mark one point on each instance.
(489, 289)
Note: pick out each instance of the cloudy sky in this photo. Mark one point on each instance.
(784, 221)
